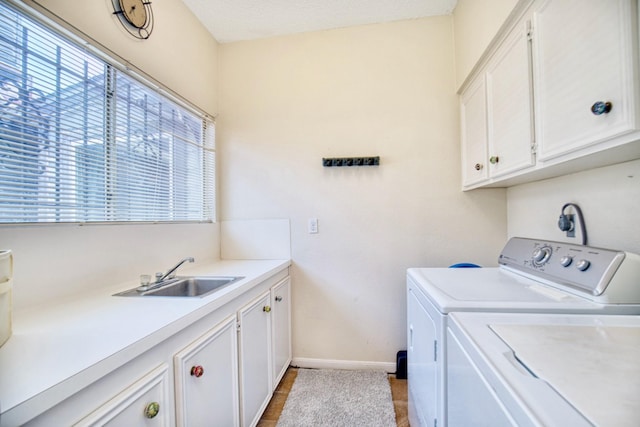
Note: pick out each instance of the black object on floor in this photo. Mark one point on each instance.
(401, 365)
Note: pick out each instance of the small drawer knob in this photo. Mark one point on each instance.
(494, 159)
(278, 298)
(197, 371)
(266, 309)
(600, 108)
(152, 409)
(478, 166)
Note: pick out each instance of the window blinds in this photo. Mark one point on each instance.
(82, 141)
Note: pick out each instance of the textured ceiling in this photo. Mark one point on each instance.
(233, 20)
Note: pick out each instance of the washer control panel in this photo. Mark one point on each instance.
(585, 268)
(541, 255)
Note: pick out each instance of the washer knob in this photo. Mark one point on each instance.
(566, 260)
(583, 264)
(541, 255)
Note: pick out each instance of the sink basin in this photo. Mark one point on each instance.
(193, 286)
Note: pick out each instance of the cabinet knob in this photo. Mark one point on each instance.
(478, 166)
(197, 371)
(494, 159)
(600, 108)
(266, 309)
(278, 298)
(152, 409)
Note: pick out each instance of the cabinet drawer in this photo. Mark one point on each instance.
(144, 403)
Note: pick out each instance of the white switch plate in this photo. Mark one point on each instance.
(312, 225)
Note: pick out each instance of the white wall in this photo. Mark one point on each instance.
(57, 261)
(387, 90)
(609, 198)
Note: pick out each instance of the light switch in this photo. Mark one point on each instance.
(312, 225)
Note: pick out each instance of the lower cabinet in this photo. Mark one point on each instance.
(256, 382)
(281, 328)
(206, 379)
(264, 335)
(219, 371)
(145, 403)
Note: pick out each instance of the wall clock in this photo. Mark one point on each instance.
(136, 16)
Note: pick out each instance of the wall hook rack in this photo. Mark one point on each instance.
(350, 161)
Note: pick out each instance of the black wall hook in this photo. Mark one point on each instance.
(350, 161)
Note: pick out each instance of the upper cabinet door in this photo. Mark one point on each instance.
(473, 118)
(583, 58)
(509, 105)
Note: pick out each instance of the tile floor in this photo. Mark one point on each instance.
(272, 413)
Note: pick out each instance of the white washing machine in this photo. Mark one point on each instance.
(533, 276)
(547, 370)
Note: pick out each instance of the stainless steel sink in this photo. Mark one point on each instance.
(188, 286)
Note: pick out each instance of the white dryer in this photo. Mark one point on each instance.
(533, 276)
(543, 370)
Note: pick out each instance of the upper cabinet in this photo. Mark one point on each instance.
(583, 74)
(473, 116)
(555, 92)
(509, 105)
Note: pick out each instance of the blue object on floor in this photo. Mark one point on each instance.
(464, 265)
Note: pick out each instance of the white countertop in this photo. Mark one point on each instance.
(85, 337)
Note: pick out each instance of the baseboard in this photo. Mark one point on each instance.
(304, 362)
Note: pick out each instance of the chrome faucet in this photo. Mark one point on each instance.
(168, 275)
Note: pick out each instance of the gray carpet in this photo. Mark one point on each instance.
(339, 398)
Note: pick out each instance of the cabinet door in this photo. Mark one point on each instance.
(255, 359)
(206, 379)
(473, 118)
(509, 105)
(583, 54)
(281, 328)
(144, 403)
(422, 368)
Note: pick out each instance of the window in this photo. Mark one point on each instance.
(84, 141)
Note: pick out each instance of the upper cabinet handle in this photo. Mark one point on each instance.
(601, 108)
(494, 159)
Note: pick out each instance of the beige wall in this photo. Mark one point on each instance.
(476, 23)
(609, 198)
(57, 261)
(180, 54)
(387, 90)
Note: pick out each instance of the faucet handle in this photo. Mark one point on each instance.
(159, 275)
